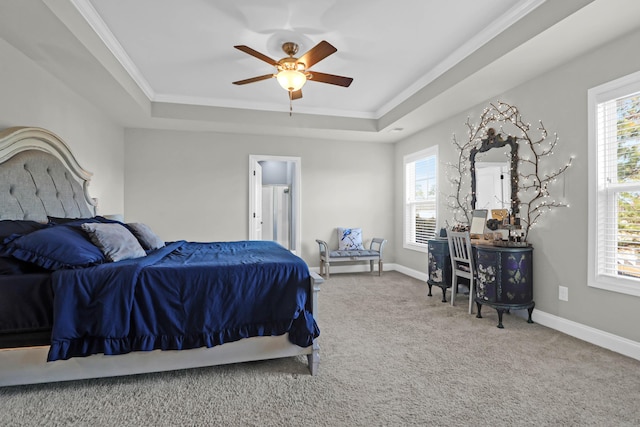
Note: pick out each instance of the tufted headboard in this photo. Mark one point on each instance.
(40, 177)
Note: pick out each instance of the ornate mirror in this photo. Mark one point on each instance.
(496, 141)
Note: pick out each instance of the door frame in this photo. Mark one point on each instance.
(296, 195)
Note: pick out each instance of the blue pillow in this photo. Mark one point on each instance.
(10, 228)
(56, 247)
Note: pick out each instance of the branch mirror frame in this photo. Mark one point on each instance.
(492, 141)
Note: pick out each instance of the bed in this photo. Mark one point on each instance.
(84, 296)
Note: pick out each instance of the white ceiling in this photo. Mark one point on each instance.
(183, 51)
(171, 64)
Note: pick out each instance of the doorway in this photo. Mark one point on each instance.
(274, 200)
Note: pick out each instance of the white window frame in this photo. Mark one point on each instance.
(409, 204)
(602, 197)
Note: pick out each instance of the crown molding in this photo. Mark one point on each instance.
(98, 25)
(503, 22)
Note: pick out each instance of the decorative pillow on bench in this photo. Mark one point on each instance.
(349, 239)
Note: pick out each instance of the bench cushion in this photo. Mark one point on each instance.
(353, 253)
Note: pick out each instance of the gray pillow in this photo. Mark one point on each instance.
(114, 241)
(147, 238)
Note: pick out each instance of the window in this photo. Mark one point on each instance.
(420, 194)
(614, 185)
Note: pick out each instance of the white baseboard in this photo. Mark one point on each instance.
(591, 335)
(586, 333)
(420, 275)
(353, 268)
(362, 268)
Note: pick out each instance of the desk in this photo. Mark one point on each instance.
(504, 275)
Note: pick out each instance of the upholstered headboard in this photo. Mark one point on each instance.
(40, 177)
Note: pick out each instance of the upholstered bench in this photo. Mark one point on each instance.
(374, 253)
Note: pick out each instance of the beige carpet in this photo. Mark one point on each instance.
(390, 356)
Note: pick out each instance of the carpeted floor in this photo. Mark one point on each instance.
(390, 356)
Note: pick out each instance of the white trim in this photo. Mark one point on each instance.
(418, 247)
(297, 192)
(585, 333)
(409, 272)
(364, 268)
(611, 90)
(410, 158)
(591, 335)
(90, 14)
(261, 106)
(500, 24)
(497, 26)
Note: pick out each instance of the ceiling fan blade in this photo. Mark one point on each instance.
(255, 53)
(253, 79)
(296, 94)
(317, 54)
(330, 78)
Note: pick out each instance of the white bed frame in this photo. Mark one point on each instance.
(28, 365)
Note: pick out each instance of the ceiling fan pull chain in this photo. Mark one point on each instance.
(290, 103)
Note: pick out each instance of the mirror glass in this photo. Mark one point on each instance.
(493, 187)
(494, 174)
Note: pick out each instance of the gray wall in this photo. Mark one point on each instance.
(559, 99)
(195, 185)
(29, 96)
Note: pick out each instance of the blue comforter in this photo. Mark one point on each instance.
(185, 295)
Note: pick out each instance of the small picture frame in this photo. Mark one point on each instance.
(478, 223)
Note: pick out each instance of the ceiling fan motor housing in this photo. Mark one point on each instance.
(290, 48)
(290, 64)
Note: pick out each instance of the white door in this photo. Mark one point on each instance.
(255, 203)
(267, 212)
(255, 190)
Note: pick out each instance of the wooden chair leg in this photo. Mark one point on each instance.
(371, 266)
(471, 286)
(380, 268)
(454, 290)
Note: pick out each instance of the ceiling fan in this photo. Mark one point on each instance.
(294, 72)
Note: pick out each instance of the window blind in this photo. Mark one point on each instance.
(420, 222)
(618, 187)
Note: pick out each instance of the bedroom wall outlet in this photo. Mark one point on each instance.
(563, 293)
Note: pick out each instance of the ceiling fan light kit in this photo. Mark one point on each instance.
(293, 72)
(291, 80)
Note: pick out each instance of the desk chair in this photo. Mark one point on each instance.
(461, 263)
